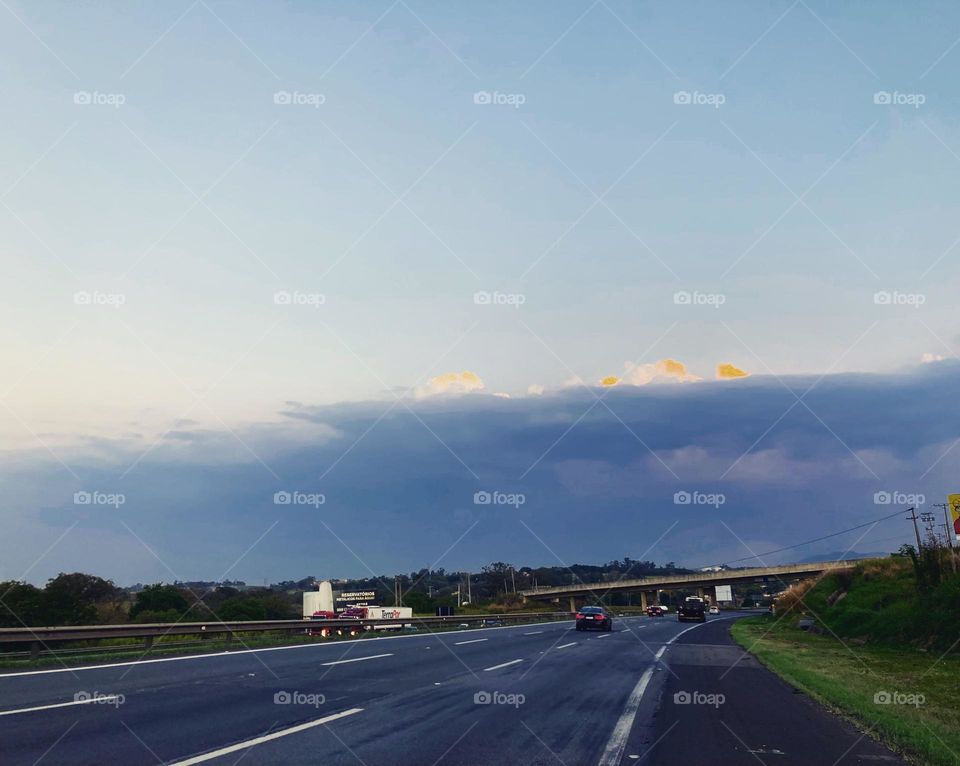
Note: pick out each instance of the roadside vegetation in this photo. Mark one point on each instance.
(879, 644)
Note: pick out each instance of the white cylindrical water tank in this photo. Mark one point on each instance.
(326, 596)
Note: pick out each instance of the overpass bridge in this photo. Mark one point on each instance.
(699, 581)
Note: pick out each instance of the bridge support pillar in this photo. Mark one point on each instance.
(573, 604)
(643, 600)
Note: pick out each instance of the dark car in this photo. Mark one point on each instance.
(691, 610)
(655, 610)
(594, 618)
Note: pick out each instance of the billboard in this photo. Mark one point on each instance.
(354, 598)
(724, 593)
(954, 502)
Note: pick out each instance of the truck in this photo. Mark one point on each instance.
(363, 613)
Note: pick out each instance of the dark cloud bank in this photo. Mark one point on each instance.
(598, 480)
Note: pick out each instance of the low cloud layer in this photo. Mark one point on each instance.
(604, 472)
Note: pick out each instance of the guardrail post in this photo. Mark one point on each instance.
(229, 638)
(148, 642)
(34, 650)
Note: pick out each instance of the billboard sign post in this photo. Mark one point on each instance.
(724, 593)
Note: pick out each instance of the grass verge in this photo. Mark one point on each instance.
(855, 681)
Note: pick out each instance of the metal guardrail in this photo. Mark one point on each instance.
(40, 638)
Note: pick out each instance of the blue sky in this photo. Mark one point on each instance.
(184, 198)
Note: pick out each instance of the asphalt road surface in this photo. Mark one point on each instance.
(653, 691)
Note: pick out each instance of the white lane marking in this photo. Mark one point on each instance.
(357, 659)
(503, 665)
(621, 732)
(266, 738)
(245, 651)
(471, 641)
(618, 740)
(533, 633)
(605, 635)
(564, 646)
(104, 699)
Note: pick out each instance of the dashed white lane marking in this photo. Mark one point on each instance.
(266, 738)
(104, 699)
(533, 633)
(472, 641)
(240, 652)
(564, 646)
(503, 665)
(605, 635)
(357, 659)
(621, 732)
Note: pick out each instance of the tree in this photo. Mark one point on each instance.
(242, 608)
(159, 598)
(21, 604)
(70, 599)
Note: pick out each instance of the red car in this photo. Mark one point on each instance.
(594, 618)
(655, 611)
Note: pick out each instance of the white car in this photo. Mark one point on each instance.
(714, 610)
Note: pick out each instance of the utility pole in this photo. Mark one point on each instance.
(948, 529)
(916, 529)
(513, 579)
(946, 522)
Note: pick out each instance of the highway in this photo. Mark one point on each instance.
(536, 694)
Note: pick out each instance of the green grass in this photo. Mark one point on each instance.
(845, 677)
(878, 603)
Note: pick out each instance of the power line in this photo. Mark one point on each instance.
(818, 539)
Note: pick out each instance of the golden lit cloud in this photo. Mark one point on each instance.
(665, 370)
(452, 383)
(726, 371)
(610, 380)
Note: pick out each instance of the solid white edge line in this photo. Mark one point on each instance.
(265, 738)
(613, 752)
(425, 634)
(356, 659)
(105, 699)
(503, 665)
(471, 641)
